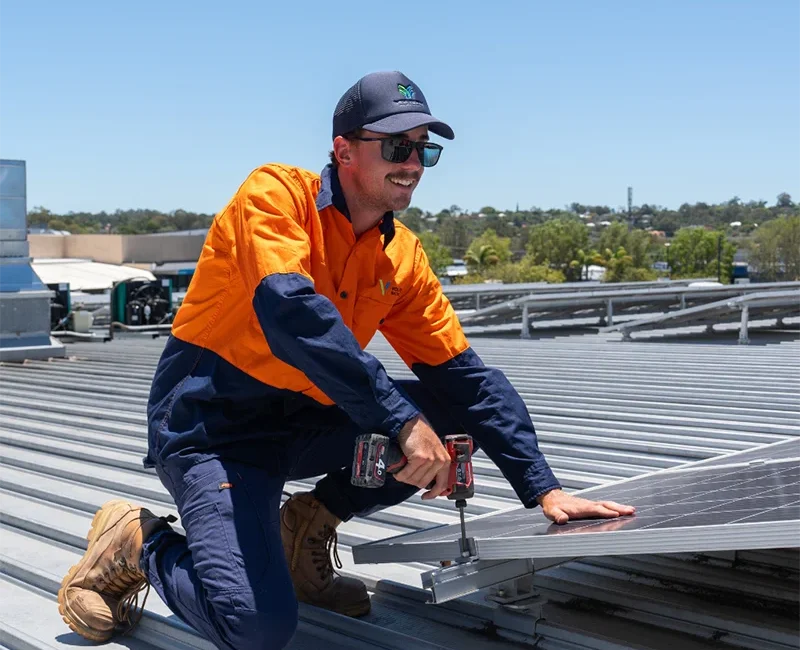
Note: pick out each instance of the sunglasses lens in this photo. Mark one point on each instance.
(430, 156)
(396, 151)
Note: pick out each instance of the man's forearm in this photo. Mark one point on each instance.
(305, 330)
(487, 406)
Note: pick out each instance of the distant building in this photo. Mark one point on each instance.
(86, 275)
(169, 255)
(455, 270)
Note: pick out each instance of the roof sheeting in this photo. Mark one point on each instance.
(85, 275)
(72, 434)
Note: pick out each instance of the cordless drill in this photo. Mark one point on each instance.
(377, 455)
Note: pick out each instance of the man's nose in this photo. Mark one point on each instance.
(413, 164)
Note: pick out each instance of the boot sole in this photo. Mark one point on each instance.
(99, 521)
(361, 608)
(356, 610)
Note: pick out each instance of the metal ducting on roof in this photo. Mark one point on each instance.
(24, 300)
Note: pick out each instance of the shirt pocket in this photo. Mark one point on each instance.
(368, 316)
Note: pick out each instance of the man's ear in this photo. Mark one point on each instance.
(342, 149)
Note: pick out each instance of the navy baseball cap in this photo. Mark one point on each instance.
(385, 102)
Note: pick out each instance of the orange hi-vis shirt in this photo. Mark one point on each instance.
(283, 302)
(279, 228)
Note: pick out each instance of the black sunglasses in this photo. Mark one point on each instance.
(398, 150)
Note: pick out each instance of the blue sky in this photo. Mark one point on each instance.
(170, 105)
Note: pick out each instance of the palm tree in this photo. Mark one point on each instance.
(481, 258)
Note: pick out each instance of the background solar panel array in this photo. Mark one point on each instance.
(785, 449)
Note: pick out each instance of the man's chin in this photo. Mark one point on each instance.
(398, 204)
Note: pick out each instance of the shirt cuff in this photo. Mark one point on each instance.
(400, 411)
(539, 479)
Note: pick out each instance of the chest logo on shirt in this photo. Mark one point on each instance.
(387, 286)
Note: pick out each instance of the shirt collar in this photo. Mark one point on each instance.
(331, 194)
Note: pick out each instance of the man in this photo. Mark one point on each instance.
(265, 379)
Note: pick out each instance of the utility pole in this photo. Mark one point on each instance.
(630, 207)
(719, 258)
(669, 268)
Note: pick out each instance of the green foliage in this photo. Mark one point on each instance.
(557, 244)
(693, 254)
(439, 256)
(487, 250)
(526, 271)
(620, 267)
(640, 274)
(125, 222)
(512, 272)
(470, 278)
(412, 218)
(775, 251)
(455, 234)
(638, 243)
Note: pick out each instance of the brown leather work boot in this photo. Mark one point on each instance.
(308, 532)
(99, 594)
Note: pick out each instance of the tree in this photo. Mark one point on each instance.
(637, 243)
(488, 250)
(613, 237)
(775, 250)
(412, 218)
(526, 271)
(556, 243)
(454, 234)
(693, 253)
(39, 216)
(58, 224)
(784, 200)
(620, 267)
(439, 256)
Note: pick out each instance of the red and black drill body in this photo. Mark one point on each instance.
(377, 455)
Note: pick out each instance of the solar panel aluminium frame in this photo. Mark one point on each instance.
(696, 538)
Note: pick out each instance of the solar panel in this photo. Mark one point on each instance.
(784, 449)
(749, 505)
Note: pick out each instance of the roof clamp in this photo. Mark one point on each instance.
(517, 594)
(457, 579)
(468, 549)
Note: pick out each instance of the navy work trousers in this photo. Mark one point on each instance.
(227, 577)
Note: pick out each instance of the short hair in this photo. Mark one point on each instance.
(347, 136)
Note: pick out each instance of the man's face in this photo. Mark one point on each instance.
(384, 185)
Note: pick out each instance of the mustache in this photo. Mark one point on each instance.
(404, 177)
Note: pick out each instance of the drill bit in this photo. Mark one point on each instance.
(461, 505)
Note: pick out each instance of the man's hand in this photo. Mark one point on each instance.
(561, 507)
(427, 458)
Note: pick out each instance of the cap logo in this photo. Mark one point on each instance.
(406, 91)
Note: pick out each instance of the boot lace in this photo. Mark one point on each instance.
(129, 611)
(127, 582)
(327, 548)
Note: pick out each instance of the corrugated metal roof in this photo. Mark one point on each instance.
(73, 432)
